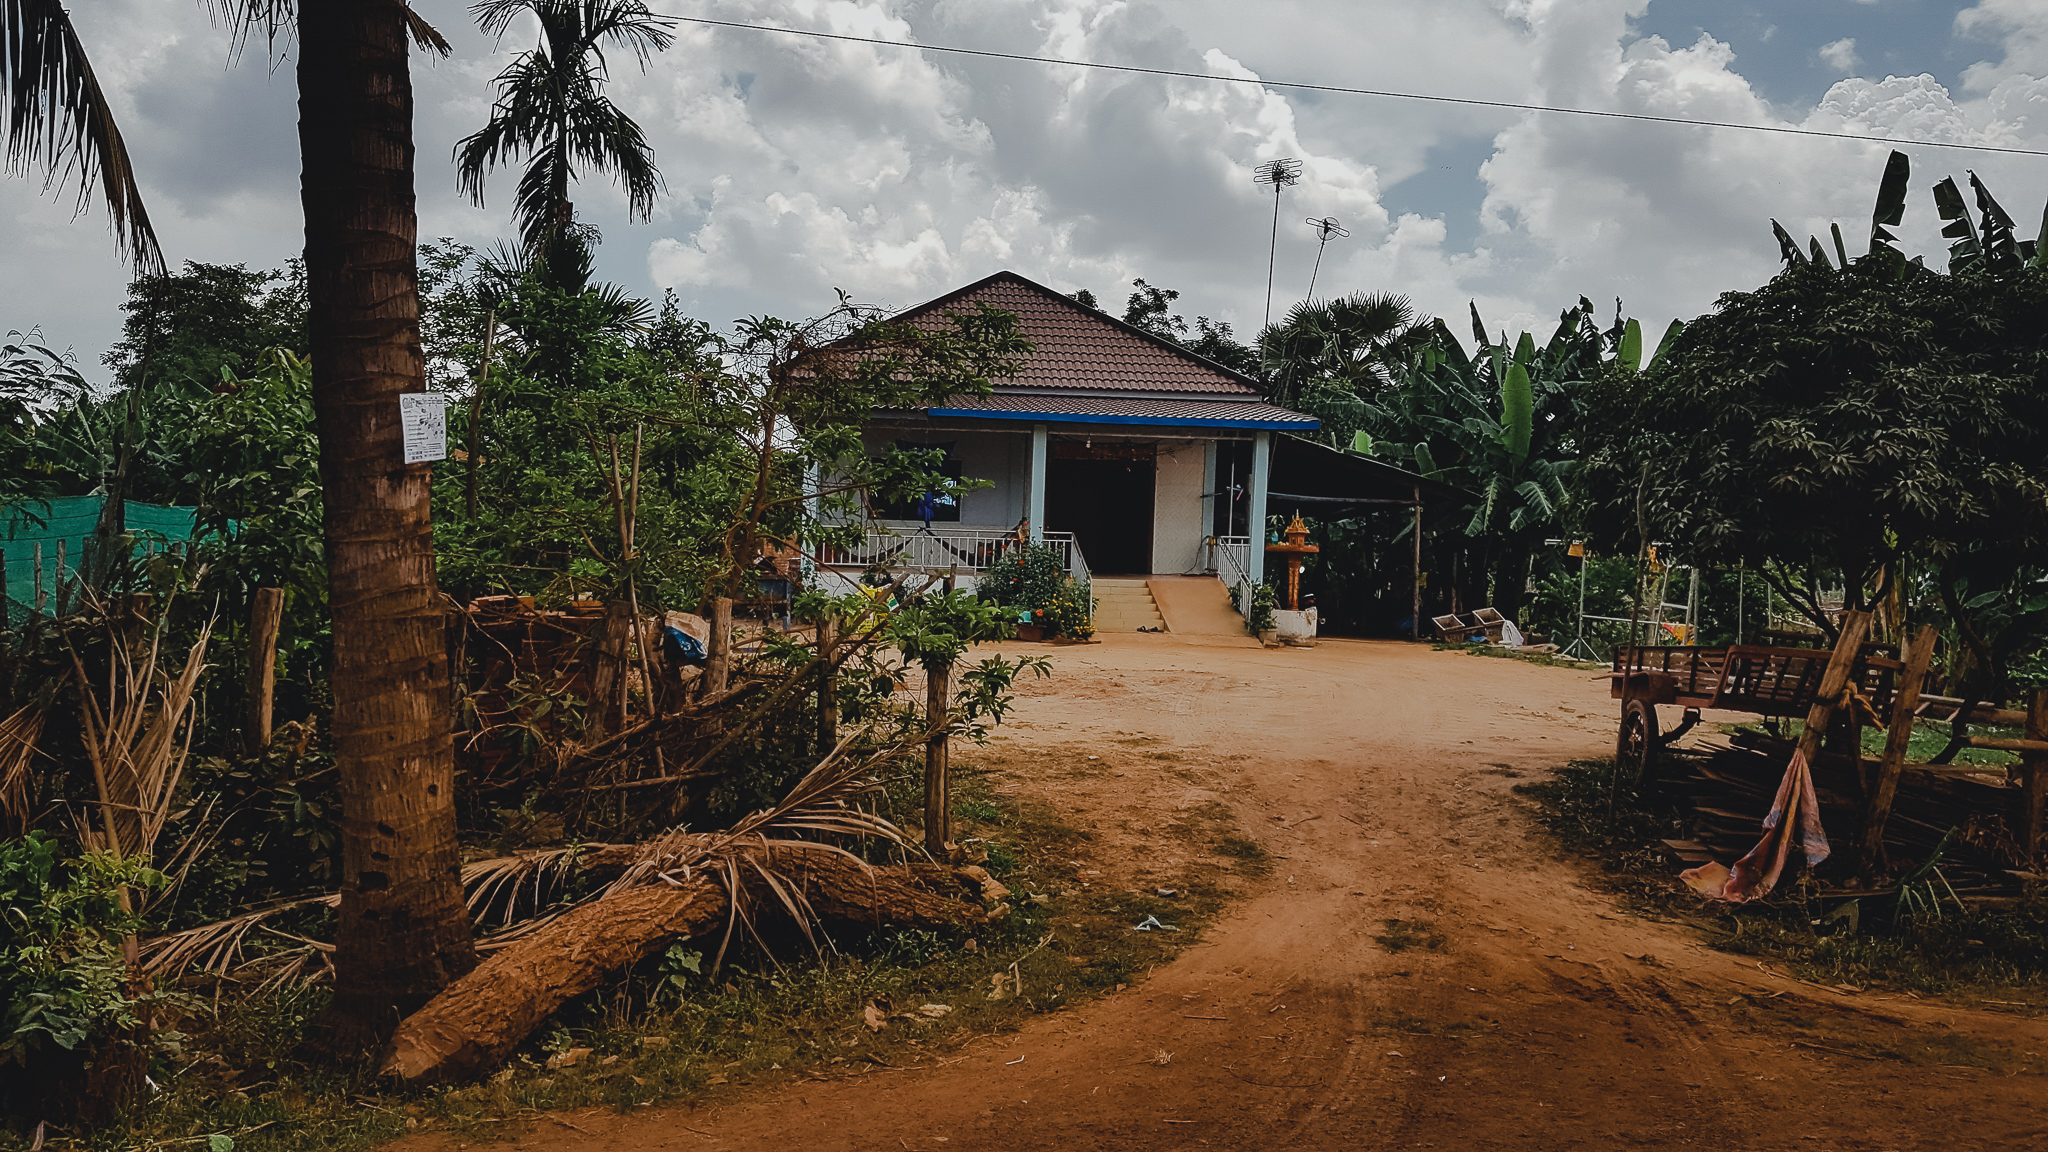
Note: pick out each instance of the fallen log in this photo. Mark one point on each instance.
(478, 1021)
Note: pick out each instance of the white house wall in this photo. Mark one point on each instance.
(1003, 458)
(1177, 529)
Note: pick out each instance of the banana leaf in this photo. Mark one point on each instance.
(1891, 204)
(1630, 354)
(2001, 248)
(1425, 463)
(1517, 412)
(1965, 249)
(1788, 248)
(1664, 345)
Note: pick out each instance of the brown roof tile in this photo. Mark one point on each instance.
(1077, 347)
(1190, 410)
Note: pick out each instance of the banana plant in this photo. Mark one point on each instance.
(1986, 243)
(1497, 423)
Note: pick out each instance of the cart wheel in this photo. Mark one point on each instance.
(1635, 750)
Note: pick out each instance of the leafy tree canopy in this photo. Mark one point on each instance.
(197, 323)
(1846, 415)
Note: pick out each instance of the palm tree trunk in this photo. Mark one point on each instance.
(403, 932)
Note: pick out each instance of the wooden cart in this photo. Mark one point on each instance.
(1736, 678)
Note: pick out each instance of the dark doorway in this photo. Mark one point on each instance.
(1103, 495)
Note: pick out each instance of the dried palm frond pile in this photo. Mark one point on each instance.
(137, 736)
(687, 885)
(776, 863)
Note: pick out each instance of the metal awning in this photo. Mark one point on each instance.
(1321, 478)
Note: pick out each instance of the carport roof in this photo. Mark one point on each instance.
(1321, 479)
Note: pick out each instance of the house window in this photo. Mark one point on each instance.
(940, 507)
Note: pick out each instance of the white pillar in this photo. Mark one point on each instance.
(1208, 491)
(814, 510)
(1262, 466)
(1034, 499)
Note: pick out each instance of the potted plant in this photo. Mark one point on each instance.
(1259, 621)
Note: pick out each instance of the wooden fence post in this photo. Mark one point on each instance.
(608, 679)
(828, 699)
(1885, 786)
(719, 669)
(938, 784)
(2034, 767)
(259, 690)
(1841, 665)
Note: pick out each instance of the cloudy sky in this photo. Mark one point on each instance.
(796, 166)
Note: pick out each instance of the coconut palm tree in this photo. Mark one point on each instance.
(58, 121)
(1330, 356)
(403, 930)
(552, 108)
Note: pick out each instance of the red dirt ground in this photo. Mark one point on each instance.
(1527, 1012)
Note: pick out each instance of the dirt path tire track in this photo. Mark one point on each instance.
(1380, 776)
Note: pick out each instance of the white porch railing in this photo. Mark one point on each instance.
(1077, 564)
(1230, 557)
(971, 549)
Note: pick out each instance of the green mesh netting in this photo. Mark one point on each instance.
(61, 527)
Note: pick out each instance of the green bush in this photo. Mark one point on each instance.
(1033, 579)
(61, 967)
(1260, 618)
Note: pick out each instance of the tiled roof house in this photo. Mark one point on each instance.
(1134, 455)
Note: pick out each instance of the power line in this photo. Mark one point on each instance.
(1469, 101)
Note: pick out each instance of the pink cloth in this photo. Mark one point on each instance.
(1752, 877)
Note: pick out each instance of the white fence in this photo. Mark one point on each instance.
(969, 549)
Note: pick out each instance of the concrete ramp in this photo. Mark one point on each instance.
(1195, 605)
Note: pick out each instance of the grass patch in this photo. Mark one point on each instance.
(1545, 659)
(1403, 935)
(1929, 738)
(1996, 954)
(1251, 856)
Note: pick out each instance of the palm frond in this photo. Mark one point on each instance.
(19, 736)
(426, 35)
(506, 883)
(59, 121)
(137, 737)
(217, 948)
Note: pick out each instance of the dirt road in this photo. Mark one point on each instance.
(1420, 970)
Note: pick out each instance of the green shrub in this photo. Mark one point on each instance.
(1033, 579)
(1260, 618)
(62, 973)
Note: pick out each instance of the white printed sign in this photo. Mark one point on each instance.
(424, 416)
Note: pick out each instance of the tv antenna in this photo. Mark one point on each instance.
(1327, 229)
(1281, 173)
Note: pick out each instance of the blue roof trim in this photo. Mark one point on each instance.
(1304, 424)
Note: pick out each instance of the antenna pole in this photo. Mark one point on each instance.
(1279, 173)
(1326, 227)
(1273, 249)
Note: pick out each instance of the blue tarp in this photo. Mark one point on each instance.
(68, 521)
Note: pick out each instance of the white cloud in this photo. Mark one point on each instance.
(795, 166)
(1840, 54)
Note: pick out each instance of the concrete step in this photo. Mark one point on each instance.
(1123, 605)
